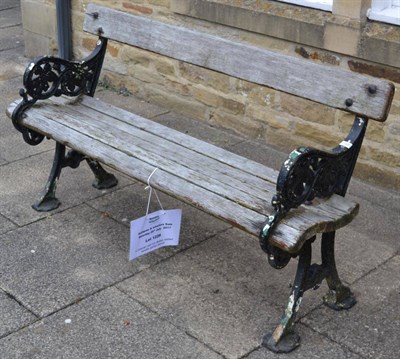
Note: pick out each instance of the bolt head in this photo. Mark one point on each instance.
(372, 89)
(349, 102)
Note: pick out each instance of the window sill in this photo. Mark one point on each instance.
(389, 15)
(277, 19)
(303, 26)
(325, 5)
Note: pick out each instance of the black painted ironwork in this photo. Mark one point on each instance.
(310, 173)
(47, 200)
(49, 76)
(306, 174)
(310, 276)
(52, 76)
(72, 159)
(283, 339)
(339, 296)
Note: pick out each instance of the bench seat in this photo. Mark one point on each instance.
(228, 186)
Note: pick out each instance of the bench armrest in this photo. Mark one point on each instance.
(308, 173)
(49, 76)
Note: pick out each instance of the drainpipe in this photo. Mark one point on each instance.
(63, 10)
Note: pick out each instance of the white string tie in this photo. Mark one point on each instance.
(151, 191)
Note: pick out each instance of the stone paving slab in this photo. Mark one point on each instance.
(12, 145)
(21, 181)
(130, 202)
(382, 197)
(6, 225)
(313, 346)
(54, 262)
(357, 253)
(10, 17)
(225, 294)
(11, 38)
(107, 325)
(12, 315)
(222, 292)
(259, 152)
(371, 328)
(380, 224)
(13, 64)
(6, 4)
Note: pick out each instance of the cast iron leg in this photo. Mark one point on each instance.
(103, 179)
(284, 339)
(47, 200)
(339, 296)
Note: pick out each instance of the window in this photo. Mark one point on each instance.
(316, 4)
(385, 10)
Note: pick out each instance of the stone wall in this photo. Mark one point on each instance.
(342, 38)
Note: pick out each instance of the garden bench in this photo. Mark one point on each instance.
(285, 209)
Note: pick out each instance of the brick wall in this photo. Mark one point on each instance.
(261, 113)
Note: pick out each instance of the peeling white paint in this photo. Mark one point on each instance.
(298, 304)
(346, 144)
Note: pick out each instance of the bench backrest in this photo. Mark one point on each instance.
(359, 94)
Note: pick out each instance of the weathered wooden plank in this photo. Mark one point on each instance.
(220, 207)
(324, 84)
(311, 219)
(300, 224)
(326, 212)
(223, 156)
(157, 156)
(229, 175)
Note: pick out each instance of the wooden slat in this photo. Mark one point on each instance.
(320, 83)
(223, 156)
(237, 215)
(231, 176)
(157, 155)
(300, 224)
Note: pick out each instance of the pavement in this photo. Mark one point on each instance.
(67, 289)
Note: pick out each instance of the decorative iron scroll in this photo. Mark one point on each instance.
(310, 173)
(51, 76)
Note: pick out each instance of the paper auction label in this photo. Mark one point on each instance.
(156, 230)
